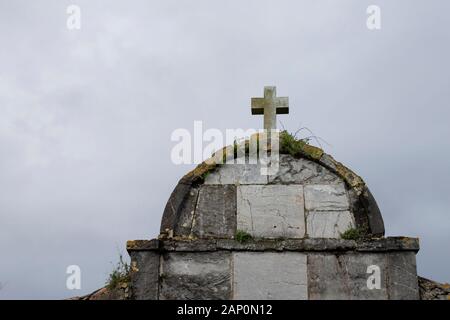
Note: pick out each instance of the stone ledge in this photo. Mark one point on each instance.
(143, 245)
(316, 244)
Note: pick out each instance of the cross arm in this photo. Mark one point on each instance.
(258, 105)
(282, 105)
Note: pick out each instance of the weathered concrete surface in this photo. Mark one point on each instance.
(215, 213)
(402, 279)
(144, 274)
(344, 277)
(269, 275)
(302, 171)
(237, 174)
(328, 224)
(271, 211)
(326, 198)
(200, 275)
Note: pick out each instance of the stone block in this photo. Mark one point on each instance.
(196, 276)
(344, 276)
(271, 211)
(215, 213)
(358, 210)
(175, 206)
(326, 197)
(402, 280)
(269, 275)
(302, 171)
(375, 218)
(183, 225)
(144, 274)
(328, 224)
(329, 162)
(237, 174)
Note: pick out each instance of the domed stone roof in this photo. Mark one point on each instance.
(311, 196)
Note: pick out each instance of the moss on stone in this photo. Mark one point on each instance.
(312, 152)
(242, 236)
(352, 179)
(354, 234)
(199, 174)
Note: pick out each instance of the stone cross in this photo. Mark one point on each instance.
(270, 106)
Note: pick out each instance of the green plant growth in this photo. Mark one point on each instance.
(242, 236)
(289, 144)
(352, 234)
(119, 275)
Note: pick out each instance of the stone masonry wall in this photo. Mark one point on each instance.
(304, 199)
(273, 269)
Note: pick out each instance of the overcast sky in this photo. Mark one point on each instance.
(86, 116)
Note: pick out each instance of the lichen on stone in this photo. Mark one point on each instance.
(199, 173)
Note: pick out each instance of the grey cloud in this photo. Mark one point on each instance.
(86, 116)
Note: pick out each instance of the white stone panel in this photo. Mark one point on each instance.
(237, 174)
(271, 211)
(328, 224)
(269, 275)
(325, 197)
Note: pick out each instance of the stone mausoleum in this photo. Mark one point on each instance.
(312, 230)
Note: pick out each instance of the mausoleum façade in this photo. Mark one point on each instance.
(293, 221)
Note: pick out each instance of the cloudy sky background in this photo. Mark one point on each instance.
(86, 116)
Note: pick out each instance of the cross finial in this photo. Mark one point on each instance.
(270, 106)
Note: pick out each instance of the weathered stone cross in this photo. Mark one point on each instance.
(270, 106)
